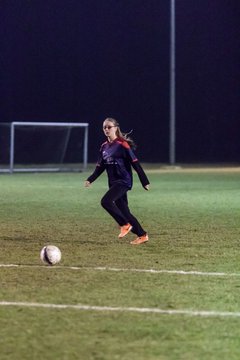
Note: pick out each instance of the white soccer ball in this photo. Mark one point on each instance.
(50, 255)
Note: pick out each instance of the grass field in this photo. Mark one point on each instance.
(176, 297)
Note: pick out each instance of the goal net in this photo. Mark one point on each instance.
(43, 146)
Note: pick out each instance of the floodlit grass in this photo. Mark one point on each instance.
(193, 221)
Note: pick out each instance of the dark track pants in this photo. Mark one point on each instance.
(115, 202)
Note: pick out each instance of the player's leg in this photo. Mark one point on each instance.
(122, 204)
(109, 200)
(116, 204)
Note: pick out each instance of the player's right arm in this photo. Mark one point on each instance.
(100, 167)
(97, 172)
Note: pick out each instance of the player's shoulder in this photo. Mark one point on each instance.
(103, 144)
(123, 143)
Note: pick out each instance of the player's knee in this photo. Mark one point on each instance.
(106, 203)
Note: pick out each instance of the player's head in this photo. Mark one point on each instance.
(112, 127)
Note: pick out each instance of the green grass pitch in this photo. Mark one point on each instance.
(186, 308)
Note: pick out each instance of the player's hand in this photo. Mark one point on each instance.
(87, 183)
(146, 187)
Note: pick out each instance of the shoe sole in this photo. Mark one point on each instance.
(138, 243)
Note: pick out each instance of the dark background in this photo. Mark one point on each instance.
(84, 60)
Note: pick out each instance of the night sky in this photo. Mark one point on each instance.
(84, 60)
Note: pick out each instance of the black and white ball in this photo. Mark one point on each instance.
(50, 255)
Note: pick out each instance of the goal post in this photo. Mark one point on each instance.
(81, 151)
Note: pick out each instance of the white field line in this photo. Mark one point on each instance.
(105, 268)
(187, 312)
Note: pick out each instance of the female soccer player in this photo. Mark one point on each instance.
(117, 158)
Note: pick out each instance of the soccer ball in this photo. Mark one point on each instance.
(50, 255)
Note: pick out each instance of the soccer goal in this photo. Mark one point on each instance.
(43, 146)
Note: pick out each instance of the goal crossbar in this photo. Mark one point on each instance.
(50, 124)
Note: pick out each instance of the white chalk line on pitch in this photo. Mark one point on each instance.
(105, 268)
(186, 312)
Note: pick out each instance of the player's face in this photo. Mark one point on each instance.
(109, 129)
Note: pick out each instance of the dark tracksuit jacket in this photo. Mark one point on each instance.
(117, 158)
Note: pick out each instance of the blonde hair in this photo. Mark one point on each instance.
(121, 135)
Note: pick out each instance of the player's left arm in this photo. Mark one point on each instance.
(136, 165)
(141, 174)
